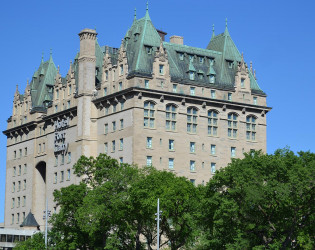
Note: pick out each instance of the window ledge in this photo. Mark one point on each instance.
(213, 155)
(171, 150)
(193, 171)
(234, 139)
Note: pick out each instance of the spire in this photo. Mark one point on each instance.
(213, 34)
(42, 57)
(17, 89)
(226, 32)
(147, 17)
(135, 15)
(251, 66)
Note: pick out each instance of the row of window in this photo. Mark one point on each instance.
(113, 146)
(62, 176)
(19, 186)
(192, 116)
(114, 107)
(18, 202)
(18, 171)
(63, 106)
(64, 92)
(20, 153)
(17, 218)
(114, 126)
(62, 159)
(121, 72)
(41, 148)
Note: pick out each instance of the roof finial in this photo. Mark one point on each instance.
(213, 34)
(147, 5)
(17, 89)
(213, 28)
(135, 15)
(58, 68)
(251, 66)
(50, 52)
(226, 23)
(43, 56)
(27, 82)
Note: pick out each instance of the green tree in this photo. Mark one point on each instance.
(261, 201)
(36, 242)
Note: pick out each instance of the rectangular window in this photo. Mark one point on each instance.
(57, 93)
(20, 151)
(114, 107)
(39, 148)
(192, 90)
(213, 167)
(213, 149)
(121, 69)
(19, 186)
(230, 64)
(13, 187)
(192, 147)
(229, 96)
(13, 203)
(25, 168)
(113, 146)
(69, 157)
(24, 201)
(213, 94)
(69, 90)
(68, 104)
(56, 108)
(105, 147)
(121, 123)
(68, 174)
(174, 88)
(191, 58)
(12, 218)
(62, 176)
(122, 104)
(20, 170)
(25, 151)
(18, 202)
(171, 144)
(106, 75)
(192, 166)
(191, 75)
(106, 110)
(121, 144)
(44, 147)
(255, 100)
(55, 177)
(149, 142)
(106, 129)
(181, 56)
(149, 160)
(171, 163)
(62, 159)
(120, 86)
(56, 160)
(114, 126)
(14, 171)
(105, 91)
(121, 160)
(243, 83)
(161, 69)
(18, 218)
(14, 154)
(24, 184)
(146, 84)
(233, 151)
(200, 59)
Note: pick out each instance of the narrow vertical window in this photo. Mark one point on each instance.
(171, 144)
(120, 86)
(105, 147)
(233, 152)
(192, 166)
(68, 174)
(55, 177)
(149, 114)
(114, 126)
(213, 96)
(212, 123)
(161, 69)
(106, 128)
(192, 90)
(122, 104)
(105, 91)
(69, 157)
(229, 96)
(121, 123)
(106, 75)
(113, 146)
(191, 75)
(56, 160)
(149, 160)
(213, 147)
(243, 83)
(171, 163)
(255, 100)
(192, 147)
(149, 142)
(146, 84)
(191, 120)
(170, 113)
(250, 128)
(62, 176)
(121, 69)
(232, 125)
(174, 88)
(121, 144)
(213, 167)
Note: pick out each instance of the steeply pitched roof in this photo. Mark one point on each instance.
(29, 221)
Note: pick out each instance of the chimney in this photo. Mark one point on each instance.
(177, 39)
(162, 34)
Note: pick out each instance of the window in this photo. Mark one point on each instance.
(39, 148)
(121, 143)
(20, 170)
(213, 149)
(149, 114)
(44, 147)
(229, 96)
(12, 218)
(192, 147)
(62, 176)
(114, 126)
(200, 76)
(69, 157)
(192, 166)
(13, 187)
(121, 69)
(57, 93)
(171, 163)
(213, 167)
(120, 86)
(174, 88)
(114, 107)
(20, 151)
(69, 89)
(243, 83)
(25, 168)
(121, 123)
(191, 120)
(113, 146)
(161, 69)
(122, 104)
(68, 104)
(149, 160)
(68, 174)
(106, 110)
(121, 160)
(181, 56)
(13, 203)
(193, 181)
(56, 108)
(149, 142)
(191, 58)
(18, 218)
(106, 128)
(170, 122)
(14, 154)
(232, 125)
(106, 75)
(200, 59)
(55, 177)
(212, 123)
(56, 160)
(14, 171)
(24, 184)
(62, 159)
(105, 147)
(24, 201)
(211, 78)
(170, 144)
(105, 91)
(233, 151)
(250, 128)
(23, 216)
(18, 202)
(19, 186)
(191, 75)
(255, 100)
(230, 64)
(213, 94)
(25, 151)
(146, 84)
(192, 90)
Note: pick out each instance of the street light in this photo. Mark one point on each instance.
(47, 213)
(158, 214)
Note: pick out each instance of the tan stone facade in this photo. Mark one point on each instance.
(188, 128)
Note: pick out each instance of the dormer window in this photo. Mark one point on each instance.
(200, 76)
(191, 75)
(211, 61)
(136, 37)
(96, 70)
(230, 64)
(191, 58)
(181, 56)
(148, 49)
(161, 69)
(212, 78)
(200, 59)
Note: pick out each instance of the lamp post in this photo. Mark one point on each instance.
(45, 217)
(158, 223)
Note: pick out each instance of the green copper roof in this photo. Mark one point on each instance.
(29, 221)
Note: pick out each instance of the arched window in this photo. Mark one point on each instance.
(250, 128)
(170, 122)
(232, 125)
(212, 122)
(191, 120)
(148, 114)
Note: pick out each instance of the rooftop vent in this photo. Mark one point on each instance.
(177, 39)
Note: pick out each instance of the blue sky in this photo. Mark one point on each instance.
(278, 36)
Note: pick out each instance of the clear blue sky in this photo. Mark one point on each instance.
(278, 36)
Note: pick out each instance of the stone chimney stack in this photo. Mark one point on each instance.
(177, 39)
(87, 61)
